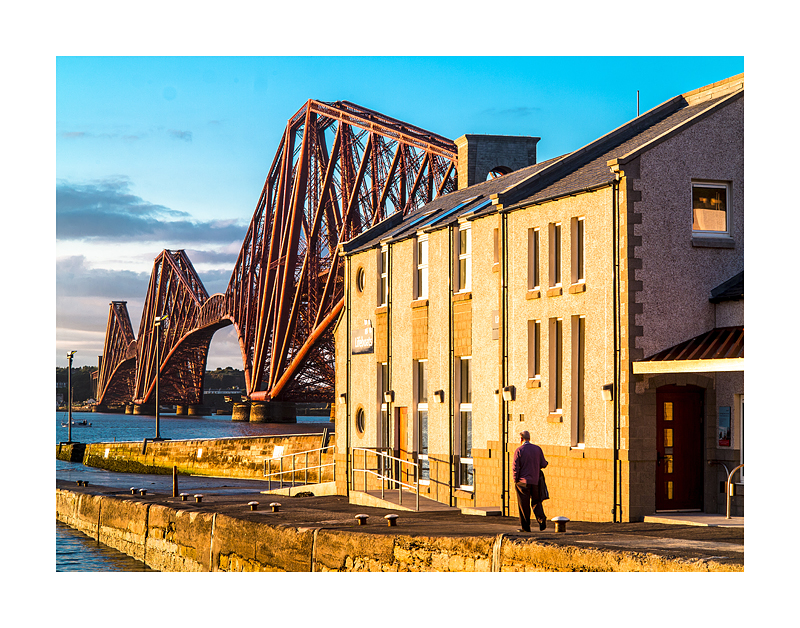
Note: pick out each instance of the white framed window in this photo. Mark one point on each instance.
(533, 259)
(578, 431)
(556, 365)
(421, 278)
(578, 250)
(383, 277)
(534, 349)
(464, 266)
(421, 432)
(555, 254)
(710, 208)
(385, 429)
(466, 475)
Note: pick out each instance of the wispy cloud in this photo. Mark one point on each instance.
(511, 112)
(186, 136)
(107, 210)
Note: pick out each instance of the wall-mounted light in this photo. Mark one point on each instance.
(343, 398)
(607, 392)
(388, 396)
(438, 395)
(508, 393)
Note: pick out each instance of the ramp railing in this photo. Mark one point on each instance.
(388, 470)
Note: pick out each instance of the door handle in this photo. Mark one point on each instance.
(659, 458)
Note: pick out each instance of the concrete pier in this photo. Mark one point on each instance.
(321, 533)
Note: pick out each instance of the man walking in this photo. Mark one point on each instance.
(528, 461)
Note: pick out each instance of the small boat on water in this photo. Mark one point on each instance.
(83, 423)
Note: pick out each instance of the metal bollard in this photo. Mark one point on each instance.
(253, 505)
(362, 519)
(392, 519)
(184, 496)
(142, 491)
(561, 523)
(198, 498)
(133, 490)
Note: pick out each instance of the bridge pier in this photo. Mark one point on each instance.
(128, 408)
(197, 410)
(181, 409)
(273, 412)
(241, 412)
(147, 409)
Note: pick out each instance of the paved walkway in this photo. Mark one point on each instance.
(690, 536)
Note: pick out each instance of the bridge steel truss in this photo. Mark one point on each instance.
(339, 170)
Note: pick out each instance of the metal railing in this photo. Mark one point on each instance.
(294, 469)
(386, 466)
(729, 491)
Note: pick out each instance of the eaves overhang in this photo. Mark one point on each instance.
(718, 350)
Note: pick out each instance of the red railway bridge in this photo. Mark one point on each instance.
(339, 169)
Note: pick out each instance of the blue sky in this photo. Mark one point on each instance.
(172, 152)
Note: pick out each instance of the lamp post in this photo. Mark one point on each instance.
(157, 324)
(69, 397)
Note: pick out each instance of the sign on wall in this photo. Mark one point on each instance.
(724, 426)
(363, 340)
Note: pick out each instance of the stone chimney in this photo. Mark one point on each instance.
(478, 155)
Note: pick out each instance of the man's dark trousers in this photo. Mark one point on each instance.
(528, 494)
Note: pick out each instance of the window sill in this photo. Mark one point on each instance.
(382, 309)
(577, 287)
(533, 294)
(555, 417)
(419, 303)
(713, 242)
(555, 291)
(496, 267)
(534, 382)
(463, 296)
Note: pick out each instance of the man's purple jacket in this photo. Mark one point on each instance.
(528, 461)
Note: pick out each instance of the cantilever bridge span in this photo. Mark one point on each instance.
(339, 170)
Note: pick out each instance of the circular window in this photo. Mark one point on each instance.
(360, 420)
(360, 279)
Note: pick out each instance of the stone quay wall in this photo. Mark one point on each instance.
(243, 458)
(166, 539)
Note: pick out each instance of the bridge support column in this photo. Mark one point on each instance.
(148, 409)
(241, 412)
(273, 412)
(198, 410)
(180, 409)
(128, 408)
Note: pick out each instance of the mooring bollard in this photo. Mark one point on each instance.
(142, 491)
(133, 490)
(392, 519)
(198, 498)
(253, 505)
(362, 519)
(275, 506)
(184, 496)
(561, 523)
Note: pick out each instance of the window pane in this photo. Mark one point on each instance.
(422, 382)
(467, 475)
(462, 274)
(709, 206)
(466, 382)
(423, 431)
(466, 435)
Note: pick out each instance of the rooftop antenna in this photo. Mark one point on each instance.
(637, 103)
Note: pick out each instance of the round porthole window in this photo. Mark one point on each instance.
(360, 279)
(360, 420)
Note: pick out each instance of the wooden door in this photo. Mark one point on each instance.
(401, 442)
(679, 448)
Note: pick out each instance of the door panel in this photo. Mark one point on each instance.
(679, 448)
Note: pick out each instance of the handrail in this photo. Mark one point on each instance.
(387, 458)
(305, 468)
(729, 486)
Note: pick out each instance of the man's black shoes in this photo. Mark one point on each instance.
(543, 524)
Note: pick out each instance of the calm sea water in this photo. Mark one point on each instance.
(78, 552)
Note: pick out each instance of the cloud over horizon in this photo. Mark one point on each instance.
(107, 210)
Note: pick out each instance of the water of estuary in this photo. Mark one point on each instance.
(78, 552)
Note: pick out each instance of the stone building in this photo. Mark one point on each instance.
(595, 299)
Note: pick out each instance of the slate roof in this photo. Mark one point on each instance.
(584, 169)
(730, 290)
